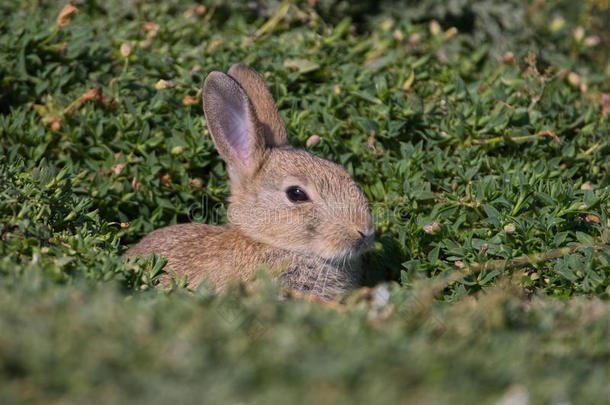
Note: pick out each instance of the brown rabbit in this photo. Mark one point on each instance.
(296, 214)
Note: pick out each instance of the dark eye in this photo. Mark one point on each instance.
(296, 194)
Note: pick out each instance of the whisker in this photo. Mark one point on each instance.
(325, 278)
(323, 263)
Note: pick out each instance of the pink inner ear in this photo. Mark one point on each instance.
(237, 130)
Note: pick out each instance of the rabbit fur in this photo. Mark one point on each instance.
(312, 246)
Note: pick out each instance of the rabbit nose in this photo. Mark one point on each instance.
(366, 233)
(366, 238)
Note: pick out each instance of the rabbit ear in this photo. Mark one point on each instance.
(263, 103)
(233, 124)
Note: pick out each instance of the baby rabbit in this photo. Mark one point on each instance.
(298, 215)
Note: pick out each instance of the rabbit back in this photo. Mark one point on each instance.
(198, 251)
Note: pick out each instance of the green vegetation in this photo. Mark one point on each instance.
(480, 133)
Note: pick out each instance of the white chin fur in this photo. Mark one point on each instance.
(340, 256)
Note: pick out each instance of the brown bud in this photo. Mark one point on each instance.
(190, 100)
(118, 168)
(434, 27)
(195, 183)
(165, 84)
(592, 218)
(509, 228)
(125, 49)
(605, 101)
(313, 140)
(451, 32)
(151, 29)
(166, 180)
(414, 38)
(578, 33)
(56, 124)
(135, 183)
(66, 14)
(591, 41)
(509, 58)
(574, 79)
(435, 226)
(92, 94)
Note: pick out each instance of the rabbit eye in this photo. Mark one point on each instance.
(296, 194)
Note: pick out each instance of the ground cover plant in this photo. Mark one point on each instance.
(479, 131)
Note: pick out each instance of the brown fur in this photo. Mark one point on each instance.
(312, 247)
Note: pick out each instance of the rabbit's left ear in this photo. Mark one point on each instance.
(233, 125)
(253, 84)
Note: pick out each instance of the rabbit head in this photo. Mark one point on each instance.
(280, 196)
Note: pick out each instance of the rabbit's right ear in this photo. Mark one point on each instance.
(263, 103)
(233, 124)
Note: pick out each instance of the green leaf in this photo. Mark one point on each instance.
(301, 65)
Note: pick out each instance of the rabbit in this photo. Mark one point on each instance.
(298, 215)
